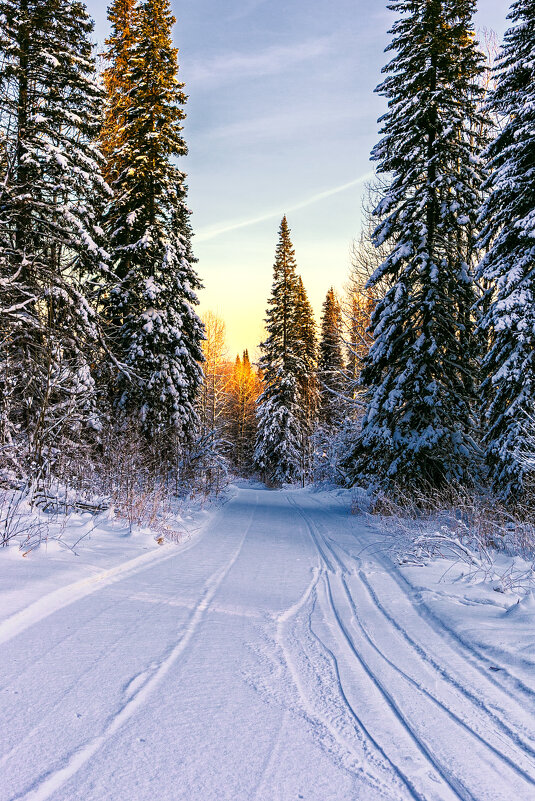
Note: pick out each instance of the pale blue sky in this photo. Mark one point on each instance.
(281, 119)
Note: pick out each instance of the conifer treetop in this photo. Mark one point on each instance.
(331, 367)
(122, 15)
(287, 404)
(279, 348)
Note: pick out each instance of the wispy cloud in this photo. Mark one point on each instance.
(291, 122)
(270, 61)
(212, 231)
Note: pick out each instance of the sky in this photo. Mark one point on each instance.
(282, 116)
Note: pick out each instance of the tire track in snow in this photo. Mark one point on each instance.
(413, 791)
(477, 658)
(70, 687)
(510, 762)
(451, 782)
(434, 700)
(270, 761)
(65, 596)
(148, 682)
(341, 576)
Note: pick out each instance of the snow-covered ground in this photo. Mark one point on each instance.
(276, 654)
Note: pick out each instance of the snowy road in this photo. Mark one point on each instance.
(272, 659)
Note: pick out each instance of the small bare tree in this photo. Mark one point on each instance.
(359, 297)
(217, 374)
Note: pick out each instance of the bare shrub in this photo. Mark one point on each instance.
(461, 526)
(17, 523)
(144, 483)
(204, 470)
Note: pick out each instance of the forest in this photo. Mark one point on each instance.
(418, 379)
(305, 570)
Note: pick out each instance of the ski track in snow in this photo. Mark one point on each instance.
(60, 599)
(379, 699)
(474, 660)
(139, 689)
(470, 652)
(310, 708)
(513, 771)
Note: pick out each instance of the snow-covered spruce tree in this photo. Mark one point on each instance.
(508, 219)
(280, 425)
(419, 374)
(157, 333)
(334, 412)
(305, 334)
(331, 367)
(51, 247)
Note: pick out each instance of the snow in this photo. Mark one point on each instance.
(276, 653)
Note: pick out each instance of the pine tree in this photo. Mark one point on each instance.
(418, 426)
(158, 333)
(306, 333)
(279, 441)
(331, 367)
(51, 197)
(508, 218)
